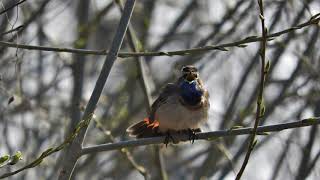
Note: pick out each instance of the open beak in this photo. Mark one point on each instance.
(191, 76)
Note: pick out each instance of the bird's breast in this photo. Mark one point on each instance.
(190, 92)
(172, 115)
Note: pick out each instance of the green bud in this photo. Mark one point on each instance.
(236, 127)
(254, 143)
(267, 67)
(4, 158)
(164, 53)
(15, 158)
(221, 49)
(46, 152)
(37, 162)
(263, 133)
(242, 45)
(262, 110)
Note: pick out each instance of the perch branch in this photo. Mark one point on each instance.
(261, 130)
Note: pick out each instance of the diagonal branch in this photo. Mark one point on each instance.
(135, 46)
(12, 6)
(74, 150)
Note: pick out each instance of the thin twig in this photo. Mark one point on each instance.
(314, 20)
(261, 130)
(260, 104)
(12, 30)
(11, 7)
(173, 28)
(49, 151)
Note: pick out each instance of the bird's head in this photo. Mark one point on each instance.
(189, 73)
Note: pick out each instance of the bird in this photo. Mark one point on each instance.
(181, 107)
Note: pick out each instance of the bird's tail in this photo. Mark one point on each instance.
(144, 129)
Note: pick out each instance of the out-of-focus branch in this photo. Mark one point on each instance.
(260, 104)
(48, 151)
(158, 140)
(12, 30)
(123, 151)
(243, 79)
(135, 46)
(261, 130)
(282, 157)
(78, 72)
(172, 30)
(306, 165)
(74, 150)
(12, 6)
(314, 20)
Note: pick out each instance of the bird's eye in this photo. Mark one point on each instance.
(185, 69)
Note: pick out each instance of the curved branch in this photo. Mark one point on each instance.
(314, 20)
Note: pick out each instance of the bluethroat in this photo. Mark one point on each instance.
(181, 107)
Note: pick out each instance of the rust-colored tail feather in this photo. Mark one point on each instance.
(143, 129)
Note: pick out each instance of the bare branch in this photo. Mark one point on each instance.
(12, 30)
(11, 7)
(74, 150)
(202, 136)
(314, 20)
(260, 104)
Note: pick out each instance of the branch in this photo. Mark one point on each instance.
(261, 130)
(12, 6)
(12, 30)
(49, 151)
(135, 46)
(314, 20)
(74, 150)
(142, 170)
(260, 104)
(173, 28)
(158, 140)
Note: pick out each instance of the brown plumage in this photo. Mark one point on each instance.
(180, 106)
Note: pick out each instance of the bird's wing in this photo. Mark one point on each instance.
(167, 91)
(206, 95)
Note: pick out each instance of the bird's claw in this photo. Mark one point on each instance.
(168, 138)
(192, 135)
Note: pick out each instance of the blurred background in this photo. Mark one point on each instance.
(43, 94)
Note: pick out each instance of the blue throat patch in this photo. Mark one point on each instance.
(190, 93)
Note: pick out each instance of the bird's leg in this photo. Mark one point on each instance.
(167, 138)
(171, 135)
(198, 130)
(192, 134)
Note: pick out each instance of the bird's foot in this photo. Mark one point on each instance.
(171, 136)
(168, 138)
(192, 134)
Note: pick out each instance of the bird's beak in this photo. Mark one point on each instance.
(191, 76)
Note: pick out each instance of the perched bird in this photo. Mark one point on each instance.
(181, 107)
